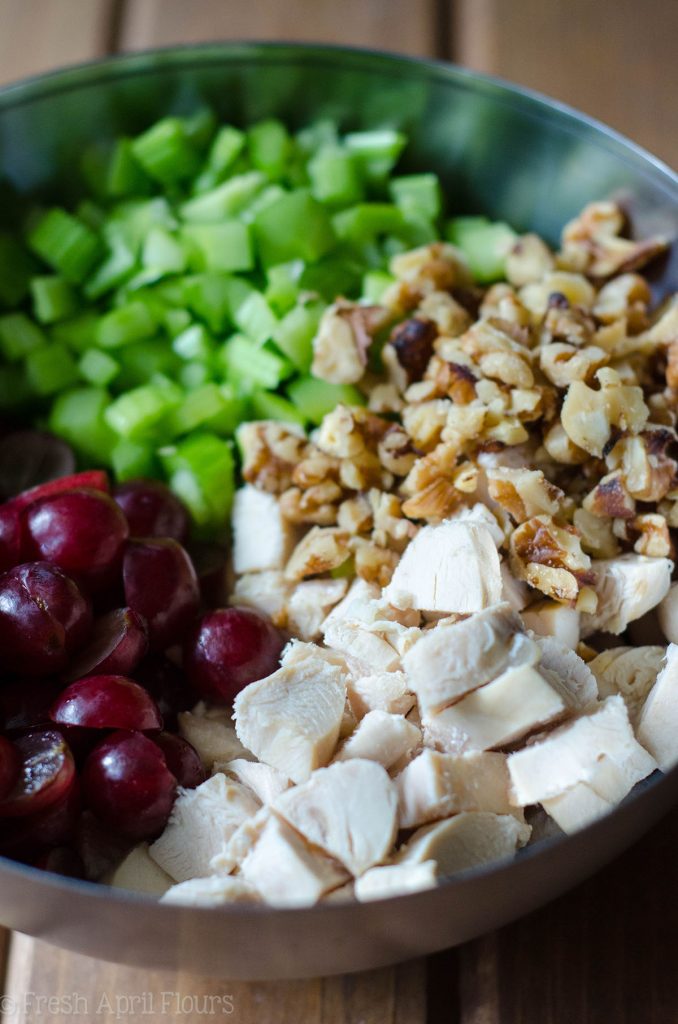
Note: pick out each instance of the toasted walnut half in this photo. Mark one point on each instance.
(321, 550)
(562, 364)
(648, 471)
(524, 493)
(588, 416)
(528, 260)
(344, 336)
(317, 504)
(649, 534)
(549, 557)
(270, 453)
(610, 498)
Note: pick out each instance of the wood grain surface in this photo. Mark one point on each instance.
(606, 953)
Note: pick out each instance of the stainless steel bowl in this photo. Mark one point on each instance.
(499, 150)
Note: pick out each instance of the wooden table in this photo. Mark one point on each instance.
(605, 953)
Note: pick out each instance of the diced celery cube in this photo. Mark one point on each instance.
(268, 406)
(225, 246)
(269, 147)
(166, 152)
(377, 151)
(19, 336)
(225, 200)
(98, 367)
(78, 417)
(140, 414)
(163, 252)
(295, 333)
(419, 193)
(124, 175)
(282, 289)
(194, 343)
(66, 244)
(201, 471)
(50, 369)
(53, 299)
(196, 408)
(375, 283)
(126, 324)
(335, 178)
(484, 243)
(295, 226)
(315, 398)
(131, 459)
(249, 365)
(17, 269)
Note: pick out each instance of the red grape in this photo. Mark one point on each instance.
(152, 510)
(52, 826)
(106, 702)
(118, 642)
(168, 686)
(46, 773)
(127, 784)
(10, 536)
(82, 531)
(92, 479)
(182, 759)
(228, 649)
(31, 457)
(161, 584)
(211, 565)
(43, 618)
(10, 764)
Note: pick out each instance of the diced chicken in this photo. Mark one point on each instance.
(396, 880)
(241, 843)
(577, 807)
(291, 719)
(368, 649)
(265, 782)
(298, 652)
(384, 691)
(551, 618)
(344, 894)
(567, 672)
(436, 785)
(211, 892)
(310, 603)
(481, 515)
(514, 591)
(629, 671)
(627, 587)
(453, 567)
(466, 841)
(658, 724)
(212, 733)
(499, 713)
(267, 592)
(597, 749)
(349, 810)
(262, 538)
(284, 869)
(201, 824)
(381, 737)
(138, 872)
(359, 592)
(453, 659)
(668, 614)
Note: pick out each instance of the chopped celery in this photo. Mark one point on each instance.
(78, 417)
(136, 217)
(418, 193)
(295, 226)
(317, 135)
(77, 333)
(19, 335)
(295, 332)
(124, 175)
(132, 459)
(117, 265)
(144, 359)
(363, 222)
(98, 367)
(176, 321)
(251, 366)
(236, 408)
(224, 246)
(315, 398)
(15, 390)
(375, 283)
(16, 270)
(484, 243)
(209, 297)
(66, 244)
(223, 201)
(200, 127)
(166, 152)
(282, 289)
(196, 409)
(194, 343)
(53, 299)
(255, 317)
(268, 406)
(226, 147)
(201, 471)
(377, 151)
(50, 369)
(141, 413)
(334, 175)
(124, 325)
(269, 147)
(194, 375)
(163, 252)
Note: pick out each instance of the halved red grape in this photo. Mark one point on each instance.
(82, 531)
(182, 759)
(99, 847)
(10, 536)
(228, 649)
(168, 686)
(152, 510)
(44, 618)
(29, 458)
(118, 642)
(46, 773)
(106, 702)
(10, 764)
(128, 786)
(92, 479)
(161, 584)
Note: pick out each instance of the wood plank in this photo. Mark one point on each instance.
(108, 993)
(616, 63)
(391, 24)
(36, 36)
(604, 953)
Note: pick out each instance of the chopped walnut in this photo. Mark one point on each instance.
(321, 550)
(672, 365)
(625, 296)
(588, 416)
(435, 267)
(316, 505)
(391, 529)
(648, 471)
(561, 448)
(410, 347)
(562, 363)
(596, 533)
(610, 498)
(649, 534)
(574, 288)
(549, 557)
(591, 243)
(344, 336)
(449, 316)
(354, 515)
(396, 451)
(498, 355)
(385, 398)
(425, 422)
(373, 563)
(524, 493)
(501, 302)
(530, 259)
(569, 324)
(270, 453)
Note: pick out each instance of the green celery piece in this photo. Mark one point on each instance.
(332, 276)
(163, 252)
(236, 408)
(141, 414)
(248, 365)
(116, 267)
(196, 409)
(15, 391)
(16, 270)
(194, 375)
(269, 406)
(295, 226)
(264, 199)
(97, 367)
(282, 285)
(50, 369)
(225, 246)
(484, 243)
(78, 417)
(225, 200)
(176, 321)
(124, 174)
(375, 283)
(226, 147)
(200, 127)
(335, 178)
(133, 459)
(143, 360)
(166, 152)
(53, 299)
(201, 472)
(419, 193)
(136, 217)
(122, 326)
(377, 151)
(19, 335)
(195, 343)
(270, 147)
(66, 244)
(363, 222)
(78, 332)
(315, 398)
(317, 135)
(295, 333)
(93, 215)
(209, 297)
(255, 318)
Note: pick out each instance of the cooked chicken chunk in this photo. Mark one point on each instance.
(395, 880)
(384, 691)
(454, 659)
(629, 671)
(514, 591)
(201, 824)
(577, 807)
(211, 892)
(212, 733)
(241, 843)
(284, 869)
(291, 719)
(627, 587)
(567, 672)
(453, 567)
(262, 538)
(551, 618)
(597, 749)
(140, 873)
(349, 810)
(498, 713)
(309, 605)
(381, 737)
(265, 782)
(369, 649)
(436, 785)
(465, 841)
(482, 516)
(359, 592)
(658, 724)
(668, 614)
(268, 592)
